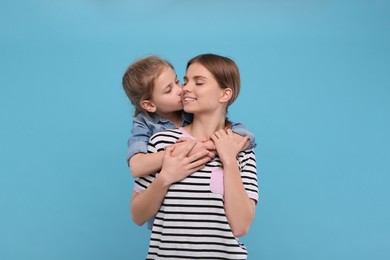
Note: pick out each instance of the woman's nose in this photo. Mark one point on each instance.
(186, 88)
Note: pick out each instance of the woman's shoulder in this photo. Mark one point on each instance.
(246, 155)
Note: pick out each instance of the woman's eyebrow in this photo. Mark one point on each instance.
(196, 77)
(200, 77)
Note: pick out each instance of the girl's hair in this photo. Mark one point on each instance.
(140, 77)
(224, 70)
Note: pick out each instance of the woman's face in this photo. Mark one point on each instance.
(201, 92)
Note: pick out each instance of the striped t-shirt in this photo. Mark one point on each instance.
(192, 223)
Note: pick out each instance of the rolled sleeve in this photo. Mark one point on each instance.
(136, 147)
(240, 129)
(140, 134)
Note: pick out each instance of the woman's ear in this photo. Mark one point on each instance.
(226, 95)
(148, 106)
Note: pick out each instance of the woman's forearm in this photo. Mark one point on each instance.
(240, 209)
(142, 164)
(145, 205)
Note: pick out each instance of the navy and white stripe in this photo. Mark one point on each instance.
(192, 223)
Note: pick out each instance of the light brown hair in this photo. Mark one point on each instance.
(140, 77)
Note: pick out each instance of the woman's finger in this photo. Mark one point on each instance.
(197, 156)
(211, 154)
(198, 163)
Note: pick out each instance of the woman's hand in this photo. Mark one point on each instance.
(178, 166)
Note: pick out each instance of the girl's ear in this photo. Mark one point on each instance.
(148, 106)
(226, 95)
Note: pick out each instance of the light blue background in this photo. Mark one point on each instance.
(315, 91)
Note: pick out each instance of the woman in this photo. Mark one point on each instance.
(201, 210)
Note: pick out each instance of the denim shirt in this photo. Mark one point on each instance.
(145, 126)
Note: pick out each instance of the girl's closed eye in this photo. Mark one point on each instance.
(167, 90)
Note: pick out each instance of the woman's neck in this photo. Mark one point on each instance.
(204, 126)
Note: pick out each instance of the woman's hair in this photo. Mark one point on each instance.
(224, 70)
(140, 77)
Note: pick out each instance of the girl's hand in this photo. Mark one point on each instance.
(226, 144)
(240, 138)
(200, 146)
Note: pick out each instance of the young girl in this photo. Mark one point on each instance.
(200, 214)
(154, 90)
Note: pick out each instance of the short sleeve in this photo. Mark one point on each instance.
(142, 183)
(157, 143)
(138, 141)
(248, 170)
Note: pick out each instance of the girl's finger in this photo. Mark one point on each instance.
(243, 142)
(229, 132)
(218, 133)
(169, 149)
(182, 139)
(209, 145)
(187, 149)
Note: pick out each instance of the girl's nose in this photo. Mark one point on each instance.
(179, 89)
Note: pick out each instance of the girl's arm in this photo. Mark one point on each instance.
(145, 204)
(240, 209)
(143, 164)
(140, 162)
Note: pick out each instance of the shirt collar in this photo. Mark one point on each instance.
(156, 119)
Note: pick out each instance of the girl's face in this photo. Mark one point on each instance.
(166, 95)
(201, 92)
